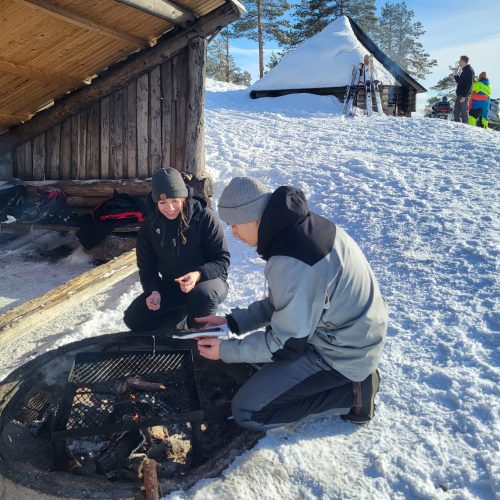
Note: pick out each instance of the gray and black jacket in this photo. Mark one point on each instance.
(322, 293)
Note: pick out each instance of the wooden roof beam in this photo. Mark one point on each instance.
(13, 118)
(164, 9)
(40, 75)
(83, 22)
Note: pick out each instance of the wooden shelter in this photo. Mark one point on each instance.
(104, 89)
(333, 64)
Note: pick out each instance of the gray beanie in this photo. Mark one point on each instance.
(168, 181)
(243, 200)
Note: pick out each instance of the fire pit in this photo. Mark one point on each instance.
(80, 421)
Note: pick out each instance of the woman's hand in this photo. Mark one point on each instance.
(209, 321)
(153, 301)
(188, 281)
(209, 348)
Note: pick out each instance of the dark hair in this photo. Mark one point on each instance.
(465, 59)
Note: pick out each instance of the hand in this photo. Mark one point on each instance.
(153, 301)
(209, 348)
(188, 281)
(211, 320)
(462, 100)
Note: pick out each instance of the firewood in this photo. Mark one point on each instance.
(151, 485)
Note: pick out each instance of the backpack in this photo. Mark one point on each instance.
(120, 206)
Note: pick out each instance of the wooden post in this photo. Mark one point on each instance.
(65, 163)
(53, 152)
(142, 125)
(195, 128)
(105, 104)
(166, 112)
(130, 170)
(32, 314)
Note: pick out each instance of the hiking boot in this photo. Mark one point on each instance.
(363, 407)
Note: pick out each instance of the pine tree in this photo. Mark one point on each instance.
(274, 60)
(263, 21)
(314, 15)
(220, 63)
(399, 37)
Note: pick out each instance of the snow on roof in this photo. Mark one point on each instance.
(325, 60)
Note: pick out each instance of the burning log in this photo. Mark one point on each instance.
(118, 452)
(143, 385)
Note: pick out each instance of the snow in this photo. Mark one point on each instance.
(324, 60)
(420, 197)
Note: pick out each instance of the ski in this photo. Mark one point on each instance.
(348, 92)
(376, 86)
(368, 86)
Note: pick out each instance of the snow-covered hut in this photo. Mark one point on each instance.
(323, 64)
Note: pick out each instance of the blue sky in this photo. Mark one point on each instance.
(453, 28)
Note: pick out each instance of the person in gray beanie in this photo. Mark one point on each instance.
(320, 332)
(182, 258)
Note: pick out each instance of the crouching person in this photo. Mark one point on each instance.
(325, 319)
(182, 258)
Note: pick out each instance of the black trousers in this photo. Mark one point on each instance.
(176, 305)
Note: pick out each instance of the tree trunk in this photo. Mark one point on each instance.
(260, 37)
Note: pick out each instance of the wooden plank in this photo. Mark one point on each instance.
(93, 188)
(130, 156)
(166, 112)
(93, 153)
(194, 162)
(105, 111)
(116, 125)
(39, 157)
(28, 162)
(32, 314)
(83, 22)
(118, 76)
(164, 9)
(19, 154)
(65, 158)
(154, 163)
(42, 76)
(180, 90)
(142, 126)
(53, 152)
(83, 119)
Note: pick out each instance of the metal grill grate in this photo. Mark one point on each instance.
(33, 405)
(98, 400)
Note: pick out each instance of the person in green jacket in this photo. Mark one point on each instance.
(480, 101)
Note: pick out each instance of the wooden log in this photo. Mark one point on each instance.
(142, 125)
(105, 103)
(154, 120)
(166, 112)
(39, 157)
(116, 126)
(53, 152)
(92, 188)
(93, 153)
(194, 162)
(65, 162)
(180, 92)
(28, 227)
(32, 314)
(130, 171)
(119, 75)
(151, 485)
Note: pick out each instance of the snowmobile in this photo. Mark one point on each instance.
(441, 109)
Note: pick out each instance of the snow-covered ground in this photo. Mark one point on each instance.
(420, 197)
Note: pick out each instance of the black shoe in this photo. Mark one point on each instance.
(363, 407)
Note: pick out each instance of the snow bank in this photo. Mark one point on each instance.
(420, 197)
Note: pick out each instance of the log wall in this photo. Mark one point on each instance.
(155, 121)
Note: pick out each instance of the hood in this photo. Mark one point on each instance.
(286, 209)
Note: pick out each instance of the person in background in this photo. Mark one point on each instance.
(324, 321)
(464, 76)
(480, 101)
(182, 258)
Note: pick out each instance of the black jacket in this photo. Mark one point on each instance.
(160, 249)
(465, 81)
